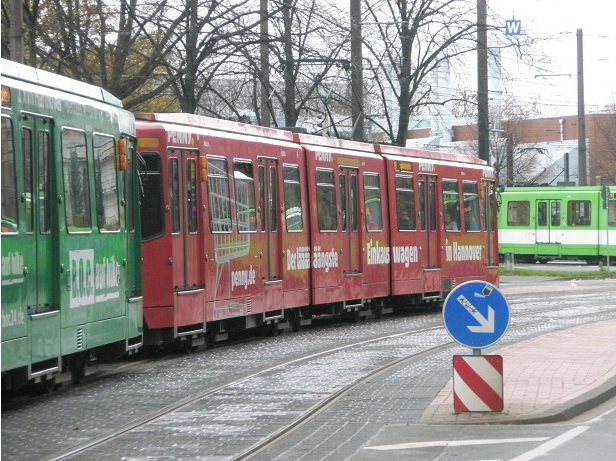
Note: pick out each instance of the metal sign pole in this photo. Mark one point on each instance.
(607, 236)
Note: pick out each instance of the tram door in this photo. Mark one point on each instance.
(351, 237)
(548, 231)
(270, 228)
(184, 207)
(39, 268)
(35, 138)
(429, 236)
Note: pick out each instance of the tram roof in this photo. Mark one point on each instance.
(216, 124)
(428, 154)
(53, 81)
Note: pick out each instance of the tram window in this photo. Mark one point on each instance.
(245, 208)
(292, 198)
(262, 197)
(343, 200)
(44, 194)
(8, 183)
(353, 203)
(174, 195)
(269, 203)
(76, 181)
(152, 203)
(192, 205)
(405, 203)
(422, 206)
(542, 214)
(451, 204)
(26, 151)
(471, 206)
(489, 213)
(218, 195)
(611, 212)
(106, 186)
(273, 199)
(432, 204)
(555, 214)
(578, 213)
(372, 197)
(326, 200)
(518, 213)
(129, 191)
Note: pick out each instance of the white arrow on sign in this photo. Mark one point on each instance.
(485, 325)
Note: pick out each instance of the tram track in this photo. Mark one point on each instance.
(322, 406)
(211, 391)
(313, 410)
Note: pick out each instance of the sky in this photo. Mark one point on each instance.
(560, 19)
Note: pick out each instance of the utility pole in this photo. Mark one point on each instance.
(483, 120)
(583, 180)
(265, 69)
(357, 77)
(509, 160)
(17, 31)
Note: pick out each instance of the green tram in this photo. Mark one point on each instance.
(71, 251)
(547, 223)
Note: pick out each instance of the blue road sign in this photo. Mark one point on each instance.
(476, 314)
(513, 27)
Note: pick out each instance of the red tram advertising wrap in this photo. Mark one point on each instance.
(246, 226)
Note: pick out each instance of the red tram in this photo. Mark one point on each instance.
(245, 226)
(435, 186)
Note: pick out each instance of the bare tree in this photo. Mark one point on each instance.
(307, 54)
(203, 55)
(407, 41)
(210, 41)
(121, 46)
(410, 39)
(307, 65)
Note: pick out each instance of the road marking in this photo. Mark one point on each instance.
(547, 446)
(600, 417)
(453, 443)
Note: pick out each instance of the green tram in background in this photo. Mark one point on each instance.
(71, 251)
(546, 223)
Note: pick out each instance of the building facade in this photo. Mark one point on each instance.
(541, 150)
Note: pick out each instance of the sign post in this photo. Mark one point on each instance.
(476, 315)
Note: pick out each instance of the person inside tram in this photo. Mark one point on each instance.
(371, 221)
(472, 224)
(450, 223)
(405, 221)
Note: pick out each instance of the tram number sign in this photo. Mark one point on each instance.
(476, 314)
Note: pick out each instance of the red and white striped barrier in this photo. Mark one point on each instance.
(477, 383)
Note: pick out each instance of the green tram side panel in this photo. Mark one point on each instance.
(15, 345)
(89, 280)
(94, 288)
(592, 238)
